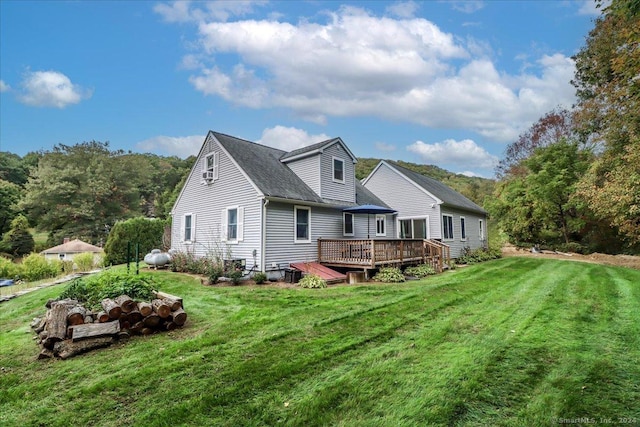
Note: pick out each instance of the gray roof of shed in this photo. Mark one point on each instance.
(449, 196)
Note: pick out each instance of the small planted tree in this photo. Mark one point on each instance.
(143, 231)
(18, 241)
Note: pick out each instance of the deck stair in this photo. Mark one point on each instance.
(326, 273)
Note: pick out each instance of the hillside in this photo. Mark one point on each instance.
(474, 188)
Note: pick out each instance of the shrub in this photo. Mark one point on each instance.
(420, 271)
(147, 232)
(9, 269)
(389, 275)
(312, 281)
(18, 241)
(91, 290)
(473, 256)
(67, 266)
(214, 274)
(36, 267)
(260, 278)
(84, 261)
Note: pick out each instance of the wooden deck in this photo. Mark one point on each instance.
(329, 275)
(374, 253)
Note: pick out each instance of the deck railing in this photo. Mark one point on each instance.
(372, 253)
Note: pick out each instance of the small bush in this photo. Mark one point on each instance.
(9, 269)
(235, 275)
(473, 256)
(144, 231)
(420, 271)
(93, 289)
(36, 267)
(259, 278)
(67, 266)
(312, 281)
(389, 275)
(84, 261)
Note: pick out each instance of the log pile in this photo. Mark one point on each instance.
(69, 328)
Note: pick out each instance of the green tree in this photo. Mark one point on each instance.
(148, 233)
(10, 195)
(18, 241)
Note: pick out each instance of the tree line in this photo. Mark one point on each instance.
(573, 179)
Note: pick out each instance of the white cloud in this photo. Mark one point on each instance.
(182, 146)
(465, 153)
(358, 64)
(185, 11)
(467, 6)
(289, 138)
(4, 87)
(588, 7)
(50, 89)
(403, 9)
(471, 174)
(382, 146)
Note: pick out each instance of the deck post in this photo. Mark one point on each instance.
(319, 250)
(401, 251)
(373, 253)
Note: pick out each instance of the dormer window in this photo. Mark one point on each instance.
(338, 170)
(210, 167)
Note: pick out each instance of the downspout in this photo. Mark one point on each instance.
(263, 235)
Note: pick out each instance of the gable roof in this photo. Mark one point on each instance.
(364, 196)
(74, 246)
(449, 196)
(263, 167)
(315, 149)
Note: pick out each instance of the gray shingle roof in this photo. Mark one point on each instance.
(263, 166)
(449, 196)
(364, 196)
(307, 149)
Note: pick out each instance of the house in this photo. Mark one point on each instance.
(428, 209)
(268, 208)
(70, 248)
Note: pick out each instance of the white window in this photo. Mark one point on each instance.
(338, 170)
(481, 229)
(232, 224)
(210, 167)
(381, 221)
(347, 229)
(188, 228)
(302, 218)
(463, 230)
(447, 226)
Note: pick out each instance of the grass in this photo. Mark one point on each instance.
(511, 342)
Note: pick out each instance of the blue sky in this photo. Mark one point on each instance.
(448, 83)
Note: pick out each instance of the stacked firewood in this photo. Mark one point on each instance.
(69, 328)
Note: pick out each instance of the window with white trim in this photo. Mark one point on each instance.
(347, 222)
(447, 227)
(188, 228)
(463, 229)
(481, 229)
(302, 219)
(210, 167)
(413, 228)
(338, 170)
(381, 222)
(232, 224)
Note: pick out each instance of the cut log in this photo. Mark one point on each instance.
(88, 318)
(102, 317)
(173, 303)
(164, 295)
(75, 316)
(111, 308)
(137, 327)
(161, 308)
(45, 353)
(151, 321)
(93, 330)
(125, 303)
(179, 317)
(169, 326)
(146, 331)
(125, 324)
(68, 348)
(56, 324)
(39, 327)
(135, 316)
(145, 308)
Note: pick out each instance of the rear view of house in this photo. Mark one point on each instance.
(428, 209)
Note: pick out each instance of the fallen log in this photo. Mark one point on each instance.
(111, 308)
(169, 326)
(126, 304)
(173, 298)
(135, 316)
(151, 321)
(102, 317)
(179, 317)
(68, 348)
(56, 327)
(93, 330)
(161, 308)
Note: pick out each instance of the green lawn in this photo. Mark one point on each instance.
(517, 341)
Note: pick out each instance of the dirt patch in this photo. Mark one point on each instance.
(628, 261)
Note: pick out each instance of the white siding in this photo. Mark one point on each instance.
(336, 190)
(308, 169)
(406, 198)
(206, 202)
